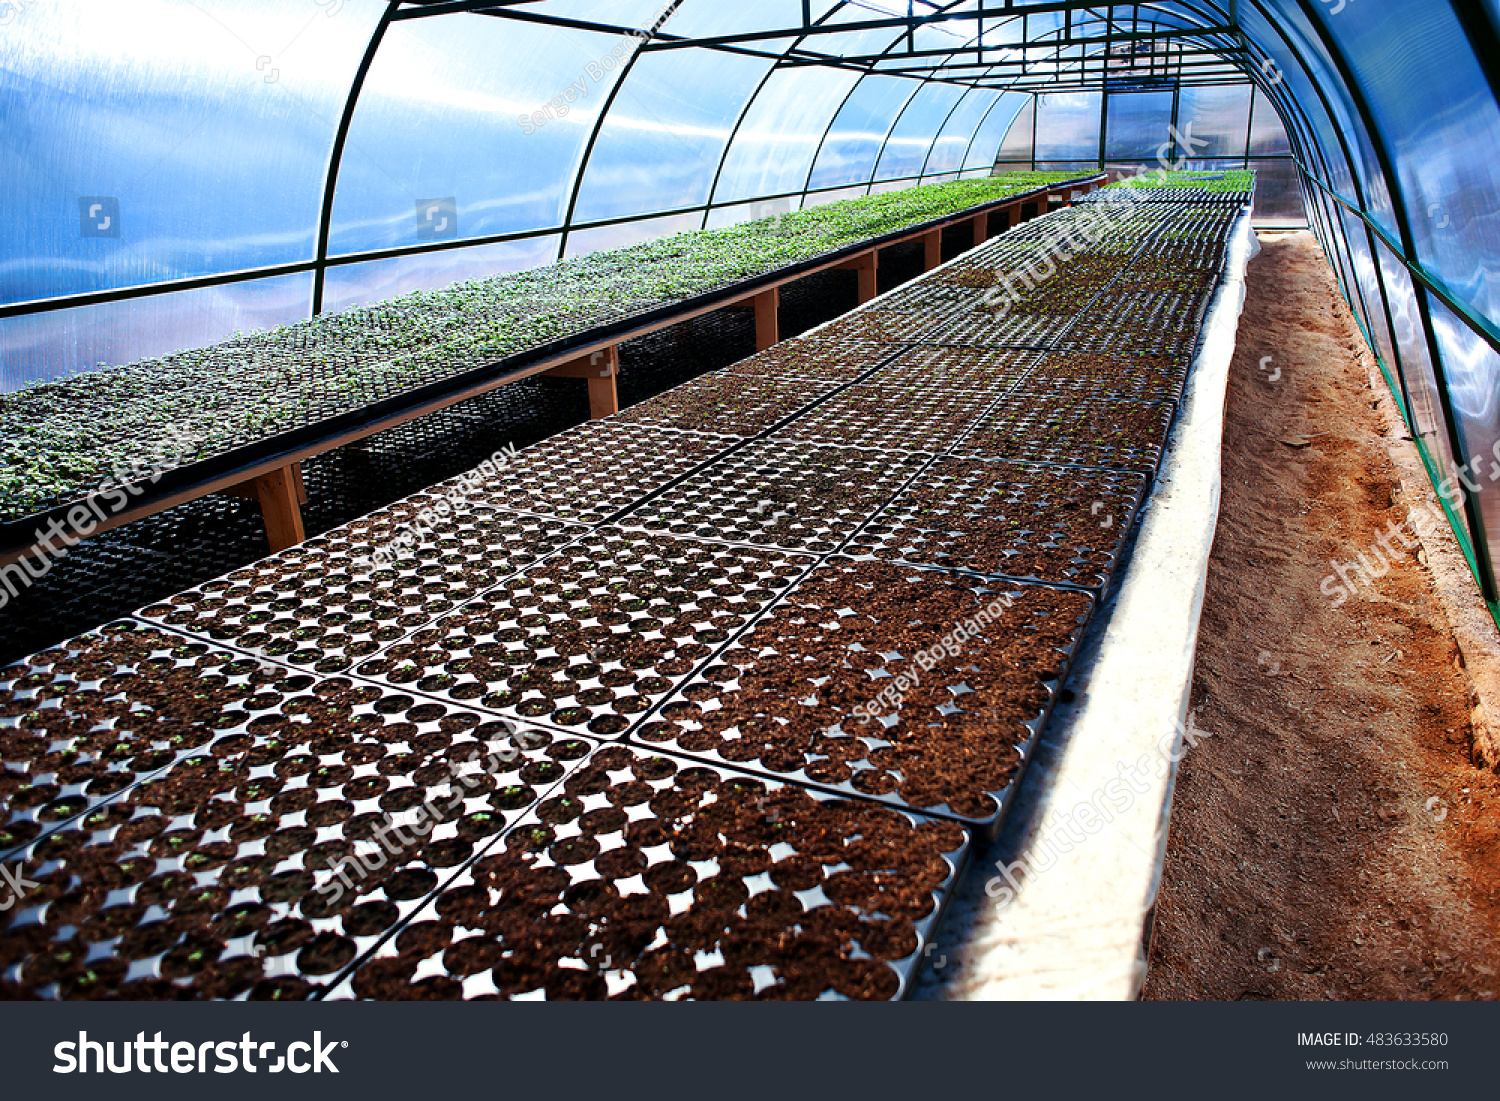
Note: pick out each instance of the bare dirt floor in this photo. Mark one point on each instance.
(1335, 838)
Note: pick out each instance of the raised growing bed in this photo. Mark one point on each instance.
(729, 403)
(964, 370)
(1114, 373)
(327, 604)
(265, 864)
(1056, 525)
(782, 699)
(594, 635)
(781, 494)
(868, 416)
(814, 357)
(646, 877)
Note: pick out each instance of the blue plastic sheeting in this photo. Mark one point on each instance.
(1267, 135)
(1472, 370)
(1067, 127)
(911, 139)
(1139, 124)
(773, 150)
(661, 143)
(859, 131)
(439, 119)
(37, 347)
(161, 140)
(985, 148)
(584, 241)
(1217, 120)
(950, 150)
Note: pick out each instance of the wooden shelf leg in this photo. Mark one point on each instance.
(981, 228)
(767, 321)
(604, 395)
(869, 276)
(280, 507)
(932, 245)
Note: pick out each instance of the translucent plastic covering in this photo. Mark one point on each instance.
(171, 170)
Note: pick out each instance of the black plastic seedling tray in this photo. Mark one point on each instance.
(972, 371)
(728, 403)
(799, 696)
(868, 416)
(1048, 524)
(339, 598)
(1072, 375)
(780, 494)
(814, 357)
(1091, 432)
(590, 638)
(324, 813)
(650, 877)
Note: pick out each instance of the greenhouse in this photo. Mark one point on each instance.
(655, 500)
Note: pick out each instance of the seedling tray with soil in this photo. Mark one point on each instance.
(597, 470)
(1159, 324)
(870, 416)
(593, 636)
(881, 326)
(1051, 524)
(647, 877)
(729, 403)
(814, 357)
(268, 862)
(1122, 435)
(850, 684)
(986, 328)
(1115, 374)
(326, 604)
(83, 721)
(781, 494)
(974, 371)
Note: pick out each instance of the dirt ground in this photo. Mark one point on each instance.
(1333, 839)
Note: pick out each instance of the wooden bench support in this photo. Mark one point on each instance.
(601, 369)
(868, 267)
(281, 496)
(981, 228)
(767, 319)
(932, 249)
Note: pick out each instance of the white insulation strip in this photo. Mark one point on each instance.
(1084, 844)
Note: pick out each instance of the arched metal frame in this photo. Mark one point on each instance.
(1329, 121)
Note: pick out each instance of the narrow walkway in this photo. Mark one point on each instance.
(1332, 840)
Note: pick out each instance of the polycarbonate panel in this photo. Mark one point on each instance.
(662, 141)
(1067, 127)
(640, 14)
(838, 194)
(705, 18)
(1294, 23)
(1214, 121)
(1367, 281)
(603, 238)
(1439, 119)
(1356, 250)
(1267, 135)
(350, 285)
(859, 129)
(952, 145)
(1278, 192)
(985, 148)
(41, 346)
(774, 148)
(162, 139)
(1472, 369)
(496, 146)
(1017, 146)
(1416, 363)
(911, 140)
(1138, 124)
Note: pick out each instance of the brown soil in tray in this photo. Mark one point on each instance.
(648, 878)
(326, 604)
(1125, 435)
(85, 719)
(1032, 522)
(779, 493)
(1106, 374)
(870, 416)
(970, 371)
(728, 403)
(813, 357)
(591, 472)
(1334, 839)
(884, 326)
(785, 697)
(593, 636)
(224, 866)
